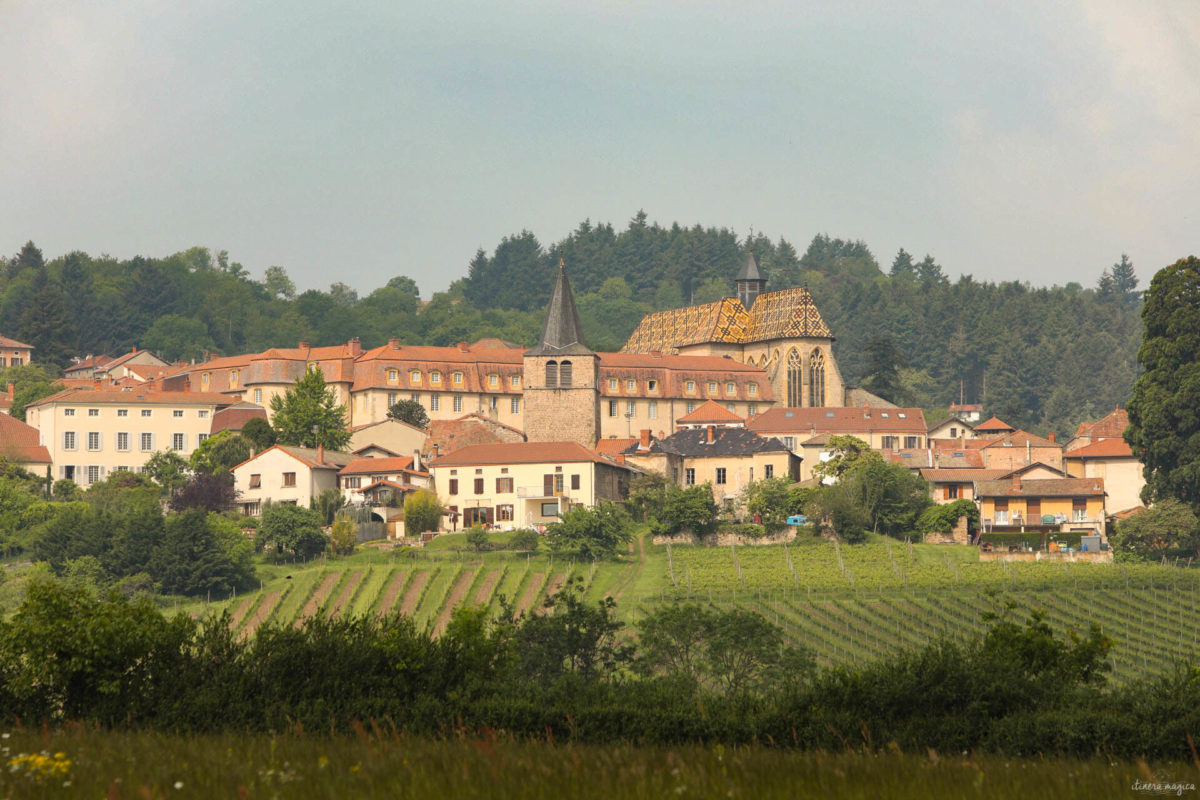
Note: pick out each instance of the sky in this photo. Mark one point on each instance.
(1033, 141)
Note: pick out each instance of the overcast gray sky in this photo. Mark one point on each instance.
(1017, 140)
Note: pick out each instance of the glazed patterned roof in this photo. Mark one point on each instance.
(786, 314)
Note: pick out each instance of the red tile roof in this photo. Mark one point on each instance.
(1042, 487)
(1110, 427)
(1104, 448)
(89, 364)
(133, 396)
(838, 420)
(21, 442)
(1018, 439)
(235, 417)
(520, 453)
(378, 466)
(7, 342)
(449, 435)
(951, 475)
(710, 411)
(994, 424)
(613, 447)
(308, 456)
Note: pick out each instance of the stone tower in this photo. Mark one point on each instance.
(562, 376)
(750, 281)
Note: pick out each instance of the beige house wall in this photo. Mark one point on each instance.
(1018, 507)
(1123, 478)
(54, 420)
(1012, 457)
(7, 354)
(527, 498)
(271, 466)
(401, 439)
(739, 471)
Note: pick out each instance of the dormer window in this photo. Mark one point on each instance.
(689, 386)
(612, 384)
(515, 381)
(752, 389)
(435, 377)
(493, 380)
(393, 375)
(415, 376)
(712, 387)
(204, 379)
(631, 385)
(458, 377)
(652, 386)
(730, 388)
(234, 375)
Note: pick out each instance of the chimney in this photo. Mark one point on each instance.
(435, 450)
(416, 460)
(134, 350)
(1053, 437)
(656, 353)
(462, 347)
(620, 458)
(354, 346)
(1016, 482)
(303, 345)
(711, 433)
(321, 453)
(394, 343)
(644, 444)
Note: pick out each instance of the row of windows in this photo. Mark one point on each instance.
(614, 408)
(552, 483)
(146, 441)
(177, 413)
(893, 442)
(234, 377)
(414, 376)
(689, 474)
(289, 479)
(15, 361)
(456, 401)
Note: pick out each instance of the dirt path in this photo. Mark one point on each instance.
(535, 582)
(260, 614)
(392, 592)
(485, 589)
(409, 604)
(452, 600)
(552, 588)
(344, 596)
(630, 576)
(314, 603)
(240, 611)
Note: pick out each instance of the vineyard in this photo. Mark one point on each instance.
(847, 604)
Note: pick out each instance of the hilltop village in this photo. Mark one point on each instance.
(722, 394)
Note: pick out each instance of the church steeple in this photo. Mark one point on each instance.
(750, 281)
(561, 334)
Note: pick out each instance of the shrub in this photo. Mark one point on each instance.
(525, 539)
(477, 538)
(291, 528)
(344, 536)
(422, 512)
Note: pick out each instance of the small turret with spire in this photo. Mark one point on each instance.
(561, 333)
(750, 281)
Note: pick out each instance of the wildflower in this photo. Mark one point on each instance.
(323, 762)
(178, 785)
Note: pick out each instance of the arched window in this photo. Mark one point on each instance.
(816, 379)
(551, 374)
(564, 375)
(794, 370)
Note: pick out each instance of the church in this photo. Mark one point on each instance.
(778, 339)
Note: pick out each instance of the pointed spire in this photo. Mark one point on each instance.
(561, 334)
(750, 281)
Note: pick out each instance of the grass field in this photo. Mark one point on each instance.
(381, 764)
(848, 604)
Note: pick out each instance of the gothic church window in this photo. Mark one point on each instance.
(793, 379)
(816, 379)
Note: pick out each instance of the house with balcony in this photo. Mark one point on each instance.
(525, 484)
(285, 474)
(1042, 506)
(382, 480)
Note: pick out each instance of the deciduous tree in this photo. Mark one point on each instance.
(308, 414)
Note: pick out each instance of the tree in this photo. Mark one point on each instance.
(45, 324)
(648, 493)
(594, 532)
(769, 499)
(259, 433)
(1164, 429)
(929, 272)
(175, 337)
(410, 411)
(290, 528)
(422, 512)
(943, 518)
(838, 512)
(691, 509)
(890, 495)
(477, 538)
(525, 539)
(308, 415)
(207, 491)
(902, 265)
(31, 383)
(278, 283)
(1168, 529)
(191, 559)
(328, 504)
(343, 537)
(884, 360)
(404, 284)
(846, 451)
(219, 453)
(1124, 279)
(168, 469)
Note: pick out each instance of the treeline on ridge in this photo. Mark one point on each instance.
(1041, 358)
